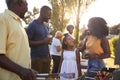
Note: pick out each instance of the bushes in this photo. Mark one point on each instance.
(112, 43)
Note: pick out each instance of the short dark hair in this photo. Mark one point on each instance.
(44, 9)
(69, 26)
(98, 27)
(9, 2)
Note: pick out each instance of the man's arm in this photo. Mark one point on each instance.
(24, 74)
(38, 43)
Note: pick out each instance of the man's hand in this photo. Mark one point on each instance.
(27, 74)
(47, 40)
(23, 73)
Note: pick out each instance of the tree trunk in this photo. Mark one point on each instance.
(77, 23)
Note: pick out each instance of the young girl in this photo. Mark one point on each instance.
(70, 58)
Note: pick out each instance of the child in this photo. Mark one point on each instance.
(70, 58)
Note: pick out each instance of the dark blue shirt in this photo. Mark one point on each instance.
(38, 31)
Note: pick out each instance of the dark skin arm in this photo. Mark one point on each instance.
(106, 48)
(78, 62)
(58, 48)
(38, 43)
(45, 41)
(23, 73)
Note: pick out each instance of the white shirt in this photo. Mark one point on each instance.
(53, 51)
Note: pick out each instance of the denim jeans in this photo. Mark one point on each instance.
(94, 65)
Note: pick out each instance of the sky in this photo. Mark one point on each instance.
(108, 9)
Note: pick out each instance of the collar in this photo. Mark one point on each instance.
(12, 14)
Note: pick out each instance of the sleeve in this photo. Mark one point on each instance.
(3, 35)
(31, 30)
(57, 42)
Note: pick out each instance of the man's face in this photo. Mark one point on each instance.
(23, 8)
(47, 16)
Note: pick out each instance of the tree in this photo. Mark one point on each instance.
(64, 11)
(82, 7)
(58, 19)
(31, 15)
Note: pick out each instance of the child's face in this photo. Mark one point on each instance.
(71, 30)
(70, 41)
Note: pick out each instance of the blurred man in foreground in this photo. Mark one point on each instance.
(14, 46)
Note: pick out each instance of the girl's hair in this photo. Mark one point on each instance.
(98, 27)
(64, 46)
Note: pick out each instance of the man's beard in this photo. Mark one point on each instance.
(22, 16)
(46, 20)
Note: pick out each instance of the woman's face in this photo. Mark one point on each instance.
(70, 41)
